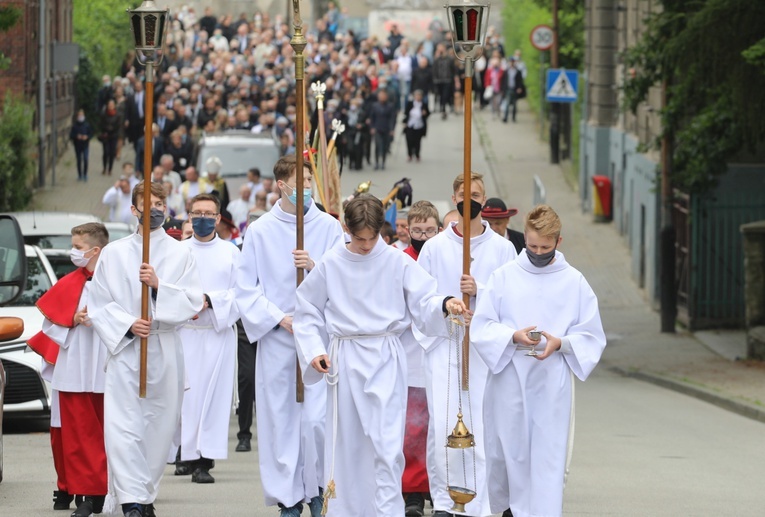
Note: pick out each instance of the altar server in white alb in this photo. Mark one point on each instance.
(209, 344)
(292, 463)
(138, 431)
(528, 402)
(441, 256)
(351, 313)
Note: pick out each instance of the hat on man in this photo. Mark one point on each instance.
(227, 219)
(213, 164)
(495, 208)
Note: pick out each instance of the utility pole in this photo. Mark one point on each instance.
(555, 106)
(668, 292)
(41, 75)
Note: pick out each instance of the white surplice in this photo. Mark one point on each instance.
(441, 256)
(292, 463)
(355, 308)
(81, 357)
(528, 403)
(209, 352)
(138, 431)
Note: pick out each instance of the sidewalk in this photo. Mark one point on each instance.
(635, 348)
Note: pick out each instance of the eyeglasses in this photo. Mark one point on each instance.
(206, 215)
(417, 233)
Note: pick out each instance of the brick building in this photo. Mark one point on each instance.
(22, 46)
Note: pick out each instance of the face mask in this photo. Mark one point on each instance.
(80, 119)
(417, 244)
(203, 226)
(540, 260)
(156, 218)
(78, 257)
(475, 208)
(293, 197)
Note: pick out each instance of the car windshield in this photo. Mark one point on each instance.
(38, 283)
(118, 233)
(237, 160)
(61, 264)
(50, 242)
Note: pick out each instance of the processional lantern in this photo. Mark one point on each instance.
(468, 23)
(148, 25)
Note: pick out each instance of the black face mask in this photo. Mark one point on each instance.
(540, 260)
(475, 208)
(417, 244)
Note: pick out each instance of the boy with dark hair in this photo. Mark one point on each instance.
(139, 431)
(529, 396)
(350, 328)
(67, 339)
(209, 344)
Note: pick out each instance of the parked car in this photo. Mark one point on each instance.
(27, 394)
(238, 151)
(13, 277)
(52, 232)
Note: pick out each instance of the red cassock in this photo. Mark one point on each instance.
(415, 478)
(78, 446)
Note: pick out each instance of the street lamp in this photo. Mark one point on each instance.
(148, 25)
(468, 22)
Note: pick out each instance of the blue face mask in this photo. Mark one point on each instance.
(293, 197)
(203, 226)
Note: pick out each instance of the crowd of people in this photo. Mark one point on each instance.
(376, 358)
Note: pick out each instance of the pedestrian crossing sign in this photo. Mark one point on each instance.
(562, 85)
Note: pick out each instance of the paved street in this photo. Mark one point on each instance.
(640, 449)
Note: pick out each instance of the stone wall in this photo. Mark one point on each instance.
(754, 287)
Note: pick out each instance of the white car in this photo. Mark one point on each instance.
(26, 393)
(238, 151)
(52, 232)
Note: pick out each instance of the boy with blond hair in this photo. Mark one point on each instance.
(539, 299)
(442, 257)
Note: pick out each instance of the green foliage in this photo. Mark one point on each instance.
(16, 164)
(711, 53)
(102, 30)
(9, 15)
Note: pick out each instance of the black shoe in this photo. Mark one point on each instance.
(201, 475)
(507, 513)
(243, 445)
(148, 510)
(183, 468)
(62, 499)
(442, 513)
(134, 513)
(89, 505)
(415, 505)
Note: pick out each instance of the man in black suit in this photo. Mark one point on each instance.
(498, 215)
(135, 113)
(157, 149)
(513, 88)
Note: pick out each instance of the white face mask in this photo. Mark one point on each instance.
(78, 257)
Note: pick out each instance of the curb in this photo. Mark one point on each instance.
(742, 408)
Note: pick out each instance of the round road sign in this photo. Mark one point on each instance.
(542, 37)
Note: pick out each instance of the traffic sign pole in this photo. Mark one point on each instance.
(555, 108)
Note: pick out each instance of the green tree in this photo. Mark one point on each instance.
(102, 30)
(9, 15)
(711, 54)
(16, 164)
